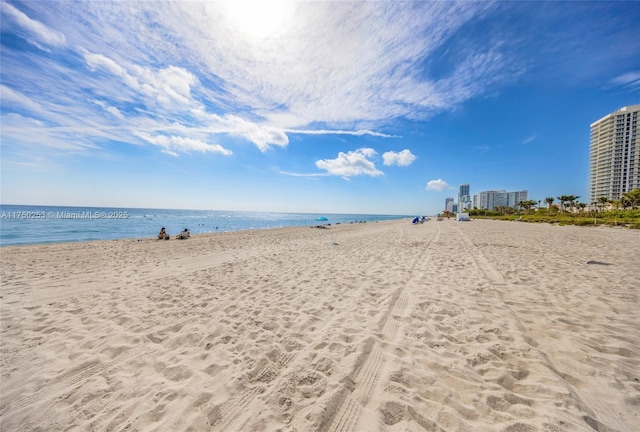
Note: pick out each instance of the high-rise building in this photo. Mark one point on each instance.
(614, 154)
(514, 198)
(491, 199)
(448, 204)
(464, 198)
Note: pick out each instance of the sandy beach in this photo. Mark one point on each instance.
(389, 326)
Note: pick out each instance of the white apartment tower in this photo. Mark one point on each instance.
(614, 154)
(489, 200)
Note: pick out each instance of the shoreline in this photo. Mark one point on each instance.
(193, 235)
(375, 326)
(400, 219)
(22, 226)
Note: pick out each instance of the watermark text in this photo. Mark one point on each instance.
(80, 214)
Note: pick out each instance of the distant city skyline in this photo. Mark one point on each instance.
(487, 200)
(311, 107)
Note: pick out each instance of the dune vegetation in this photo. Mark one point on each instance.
(624, 212)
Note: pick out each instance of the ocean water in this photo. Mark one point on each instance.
(21, 225)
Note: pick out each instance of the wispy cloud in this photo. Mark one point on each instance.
(135, 74)
(359, 132)
(437, 185)
(37, 135)
(529, 139)
(174, 144)
(630, 80)
(351, 164)
(18, 100)
(110, 109)
(293, 174)
(33, 30)
(170, 87)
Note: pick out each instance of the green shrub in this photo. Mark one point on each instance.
(626, 218)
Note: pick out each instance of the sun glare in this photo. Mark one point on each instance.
(259, 19)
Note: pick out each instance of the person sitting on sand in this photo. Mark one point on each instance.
(162, 235)
(184, 234)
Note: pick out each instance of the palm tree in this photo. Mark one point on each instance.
(527, 205)
(549, 201)
(625, 201)
(563, 199)
(572, 201)
(603, 201)
(534, 204)
(503, 210)
(633, 197)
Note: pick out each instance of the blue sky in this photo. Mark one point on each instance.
(321, 107)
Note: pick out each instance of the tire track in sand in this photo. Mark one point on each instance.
(496, 279)
(370, 367)
(236, 413)
(68, 382)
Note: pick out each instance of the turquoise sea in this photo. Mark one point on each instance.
(21, 224)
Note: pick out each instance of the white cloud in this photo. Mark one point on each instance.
(403, 158)
(37, 31)
(10, 97)
(293, 174)
(359, 132)
(437, 185)
(160, 67)
(529, 139)
(174, 144)
(115, 111)
(37, 134)
(351, 164)
(173, 84)
(263, 136)
(629, 79)
(167, 86)
(111, 109)
(260, 134)
(98, 61)
(318, 66)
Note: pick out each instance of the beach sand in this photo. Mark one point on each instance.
(389, 326)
